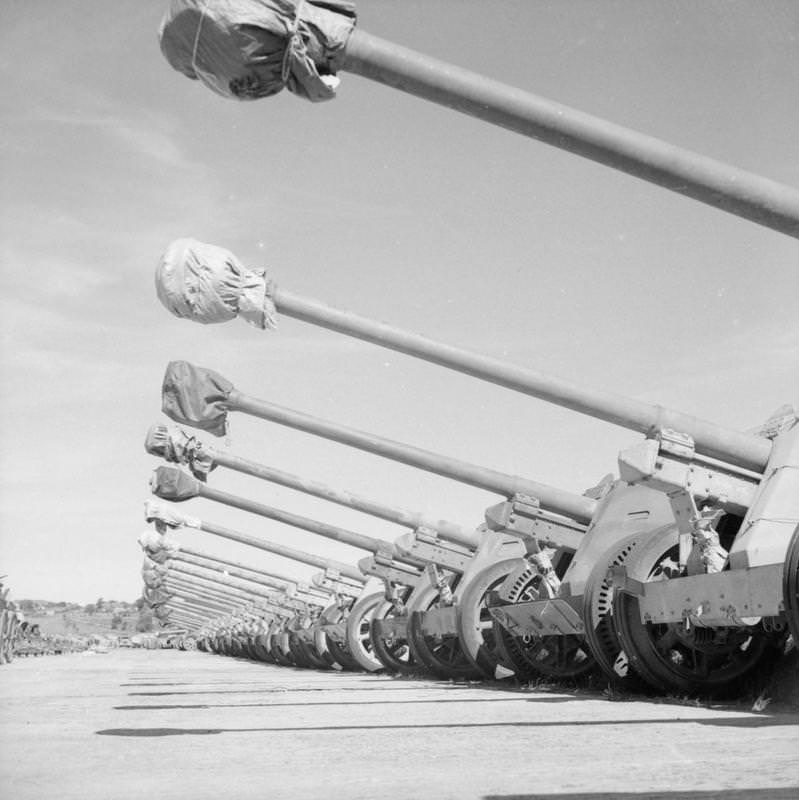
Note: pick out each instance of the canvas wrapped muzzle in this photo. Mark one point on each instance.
(196, 396)
(208, 284)
(246, 49)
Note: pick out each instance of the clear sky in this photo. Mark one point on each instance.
(391, 207)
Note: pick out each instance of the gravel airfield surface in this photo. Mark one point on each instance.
(171, 724)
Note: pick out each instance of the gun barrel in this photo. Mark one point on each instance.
(170, 483)
(346, 570)
(205, 595)
(243, 574)
(447, 530)
(189, 551)
(209, 589)
(224, 581)
(352, 538)
(557, 500)
(712, 440)
(712, 182)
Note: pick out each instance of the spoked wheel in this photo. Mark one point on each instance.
(277, 653)
(297, 651)
(261, 650)
(321, 646)
(600, 632)
(342, 656)
(533, 656)
(442, 654)
(392, 650)
(307, 653)
(671, 656)
(190, 644)
(790, 586)
(476, 626)
(359, 643)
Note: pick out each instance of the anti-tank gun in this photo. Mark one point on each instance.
(445, 548)
(394, 567)
(203, 588)
(303, 603)
(534, 515)
(342, 583)
(253, 49)
(703, 513)
(731, 465)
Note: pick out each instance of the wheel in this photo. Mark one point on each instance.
(261, 650)
(297, 652)
(320, 642)
(600, 632)
(476, 626)
(441, 654)
(276, 652)
(359, 644)
(669, 656)
(304, 654)
(790, 586)
(317, 661)
(342, 656)
(393, 652)
(532, 656)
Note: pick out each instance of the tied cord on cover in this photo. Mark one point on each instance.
(208, 284)
(196, 396)
(246, 49)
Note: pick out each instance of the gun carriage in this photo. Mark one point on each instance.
(688, 566)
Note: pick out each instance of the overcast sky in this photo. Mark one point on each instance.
(393, 208)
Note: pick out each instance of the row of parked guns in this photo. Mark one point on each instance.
(681, 574)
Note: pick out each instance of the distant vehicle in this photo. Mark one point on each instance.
(124, 641)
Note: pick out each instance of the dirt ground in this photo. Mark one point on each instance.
(169, 724)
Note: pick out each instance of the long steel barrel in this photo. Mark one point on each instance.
(209, 584)
(170, 483)
(346, 570)
(226, 398)
(715, 183)
(178, 613)
(306, 593)
(711, 439)
(199, 600)
(230, 582)
(185, 588)
(232, 587)
(212, 590)
(158, 442)
(198, 603)
(245, 575)
(282, 578)
(195, 610)
(241, 55)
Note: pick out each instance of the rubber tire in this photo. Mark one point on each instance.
(598, 610)
(428, 652)
(482, 653)
(636, 637)
(358, 626)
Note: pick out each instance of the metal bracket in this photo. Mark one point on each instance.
(427, 546)
(618, 578)
(539, 618)
(374, 565)
(523, 516)
(668, 462)
(441, 582)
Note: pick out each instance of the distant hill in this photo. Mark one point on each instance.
(102, 618)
